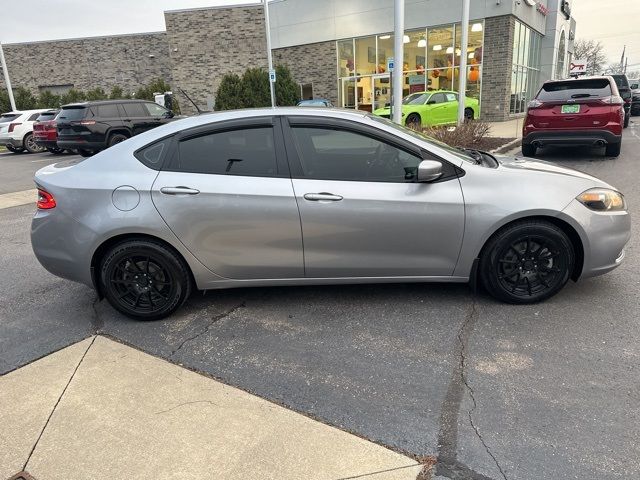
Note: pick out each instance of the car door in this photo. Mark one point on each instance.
(363, 213)
(450, 110)
(136, 117)
(226, 193)
(437, 108)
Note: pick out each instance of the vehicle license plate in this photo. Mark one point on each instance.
(570, 108)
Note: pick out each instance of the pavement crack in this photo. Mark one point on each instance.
(212, 322)
(97, 323)
(187, 403)
(75, 370)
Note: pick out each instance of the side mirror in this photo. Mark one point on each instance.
(429, 171)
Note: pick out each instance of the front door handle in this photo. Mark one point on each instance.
(179, 191)
(323, 196)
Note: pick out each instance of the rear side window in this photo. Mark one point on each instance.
(73, 113)
(33, 117)
(152, 155)
(108, 111)
(8, 118)
(248, 152)
(558, 91)
(134, 110)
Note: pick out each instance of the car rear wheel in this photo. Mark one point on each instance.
(30, 144)
(144, 279)
(529, 150)
(612, 149)
(468, 114)
(117, 138)
(13, 149)
(414, 121)
(527, 262)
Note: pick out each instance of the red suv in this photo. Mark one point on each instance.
(583, 111)
(45, 133)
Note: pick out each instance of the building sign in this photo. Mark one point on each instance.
(565, 8)
(272, 76)
(578, 67)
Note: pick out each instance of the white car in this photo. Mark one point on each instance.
(16, 131)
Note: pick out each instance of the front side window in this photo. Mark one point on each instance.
(438, 98)
(248, 152)
(330, 154)
(156, 110)
(416, 99)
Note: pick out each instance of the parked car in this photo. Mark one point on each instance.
(224, 200)
(45, 133)
(635, 96)
(16, 133)
(625, 92)
(90, 127)
(438, 107)
(582, 111)
(316, 102)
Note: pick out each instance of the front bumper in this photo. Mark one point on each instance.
(604, 236)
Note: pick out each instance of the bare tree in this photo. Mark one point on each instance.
(593, 52)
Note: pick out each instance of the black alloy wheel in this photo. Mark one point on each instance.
(414, 121)
(30, 144)
(527, 262)
(117, 138)
(144, 280)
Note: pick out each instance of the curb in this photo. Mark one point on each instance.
(507, 146)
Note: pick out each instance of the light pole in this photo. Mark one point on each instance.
(272, 78)
(398, 56)
(462, 83)
(7, 81)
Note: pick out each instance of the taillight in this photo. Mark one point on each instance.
(84, 122)
(535, 103)
(12, 126)
(612, 100)
(45, 200)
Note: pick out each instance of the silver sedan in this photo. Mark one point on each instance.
(316, 196)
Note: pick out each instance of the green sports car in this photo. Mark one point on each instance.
(437, 107)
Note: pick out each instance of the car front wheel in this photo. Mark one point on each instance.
(527, 262)
(144, 279)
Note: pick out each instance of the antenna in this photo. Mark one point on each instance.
(189, 98)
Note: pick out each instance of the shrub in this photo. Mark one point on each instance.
(117, 93)
(467, 135)
(255, 90)
(25, 100)
(96, 94)
(48, 100)
(229, 94)
(73, 96)
(287, 90)
(5, 104)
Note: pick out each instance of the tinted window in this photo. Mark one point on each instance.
(134, 110)
(152, 155)
(438, 98)
(8, 117)
(33, 117)
(416, 99)
(621, 81)
(574, 89)
(108, 111)
(330, 154)
(46, 116)
(248, 152)
(155, 110)
(72, 113)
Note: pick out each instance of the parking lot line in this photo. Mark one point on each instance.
(15, 199)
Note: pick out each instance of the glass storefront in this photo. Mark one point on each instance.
(525, 72)
(431, 62)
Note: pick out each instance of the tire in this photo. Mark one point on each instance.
(116, 138)
(612, 149)
(127, 275)
(55, 150)
(85, 153)
(413, 121)
(11, 148)
(626, 120)
(549, 260)
(529, 150)
(30, 145)
(468, 114)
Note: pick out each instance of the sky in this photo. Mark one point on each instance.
(614, 22)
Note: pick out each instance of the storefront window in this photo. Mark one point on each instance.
(346, 58)
(561, 53)
(440, 55)
(525, 71)
(474, 57)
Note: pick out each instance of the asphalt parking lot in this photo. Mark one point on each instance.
(488, 390)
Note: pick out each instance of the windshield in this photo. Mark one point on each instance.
(72, 113)
(46, 116)
(416, 99)
(420, 136)
(560, 91)
(7, 117)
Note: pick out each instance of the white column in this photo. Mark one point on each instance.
(398, 59)
(269, 56)
(462, 83)
(7, 81)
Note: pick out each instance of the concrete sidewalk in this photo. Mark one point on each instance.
(509, 129)
(102, 410)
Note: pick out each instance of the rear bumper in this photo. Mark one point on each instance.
(7, 140)
(46, 143)
(80, 145)
(570, 137)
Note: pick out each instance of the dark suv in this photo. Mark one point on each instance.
(93, 126)
(625, 92)
(583, 111)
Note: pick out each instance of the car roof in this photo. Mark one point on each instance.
(22, 112)
(91, 103)
(584, 77)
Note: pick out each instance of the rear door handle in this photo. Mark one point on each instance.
(179, 191)
(323, 196)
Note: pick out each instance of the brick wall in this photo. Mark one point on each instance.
(87, 63)
(314, 63)
(204, 44)
(496, 67)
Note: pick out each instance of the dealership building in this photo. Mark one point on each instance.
(336, 49)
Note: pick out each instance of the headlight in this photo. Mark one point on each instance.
(602, 200)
